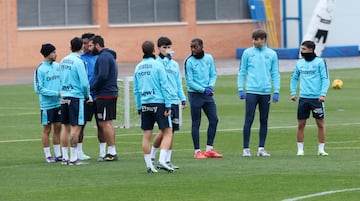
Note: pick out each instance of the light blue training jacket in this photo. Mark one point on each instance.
(74, 78)
(47, 85)
(313, 76)
(90, 61)
(174, 77)
(259, 68)
(199, 73)
(151, 84)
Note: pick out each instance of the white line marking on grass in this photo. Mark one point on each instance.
(321, 194)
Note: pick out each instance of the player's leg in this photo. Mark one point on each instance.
(264, 107)
(147, 125)
(56, 141)
(250, 107)
(45, 139)
(303, 113)
(211, 114)
(319, 115)
(156, 145)
(195, 111)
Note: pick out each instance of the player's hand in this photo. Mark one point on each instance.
(183, 104)
(167, 112)
(242, 95)
(275, 97)
(293, 98)
(209, 91)
(139, 112)
(322, 99)
(90, 100)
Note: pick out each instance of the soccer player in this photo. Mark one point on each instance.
(259, 68)
(75, 89)
(200, 77)
(312, 73)
(153, 100)
(175, 81)
(47, 85)
(106, 90)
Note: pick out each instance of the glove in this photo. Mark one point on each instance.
(167, 109)
(242, 95)
(139, 112)
(275, 97)
(170, 55)
(209, 91)
(183, 102)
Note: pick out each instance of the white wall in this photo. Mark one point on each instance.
(345, 27)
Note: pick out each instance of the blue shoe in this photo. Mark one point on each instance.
(50, 159)
(58, 158)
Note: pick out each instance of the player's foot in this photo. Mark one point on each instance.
(199, 155)
(246, 152)
(109, 157)
(323, 153)
(300, 153)
(64, 162)
(212, 154)
(58, 158)
(170, 164)
(101, 158)
(263, 153)
(77, 162)
(50, 159)
(164, 166)
(83, 157)
(151, 170)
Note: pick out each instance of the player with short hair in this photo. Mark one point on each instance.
(259, 68)
(200, 77)
(47, 85)
(175, 81)
(153, 101)
(312, 73)
(75, 89)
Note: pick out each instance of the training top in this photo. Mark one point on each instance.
(90, 60)
(74, 79)
(199, 73)
(174, 77)
(47, 84)
(106, 73)
(151, 84)
(313, 76)
(259, 68)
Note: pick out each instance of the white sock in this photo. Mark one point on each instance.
(208, 147)
(321, 147)
(300, 146)
(47, 152)
(102, 147)
(153, 151)
(65, 153)
(168, 155)
(57, 151)
(162, 156)
(147, 158)
(73, 154)
(112, 150)
(197, 150)
(79, 148)
(261, 149)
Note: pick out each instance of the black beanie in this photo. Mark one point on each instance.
(46, 49)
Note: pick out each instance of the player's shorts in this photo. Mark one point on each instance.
(50, 116)
(151, 113)
(310, 104)
(175, 117)
(72, 111)
(106, 109)
(90, 111)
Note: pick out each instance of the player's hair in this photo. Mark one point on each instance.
(197, 40)
(259, 34)
(309, 44)
(87, 35)
(97, 39)
(148, 47)
(163, 41)
(76, 44)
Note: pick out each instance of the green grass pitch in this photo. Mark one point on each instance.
(25, 176)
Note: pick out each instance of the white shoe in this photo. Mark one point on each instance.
(323, 153)
(300, 153)
(151, 170)
(263, 153)
(246, 153)
(83, 157)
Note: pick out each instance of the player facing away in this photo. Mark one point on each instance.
(106, 89)
(312, 73)
(47, 85)
(259, 68)
(75, 90)
(200, 77)
(153, 101)
(175, 81)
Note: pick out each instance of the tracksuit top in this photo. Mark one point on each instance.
(174, 77)
(47, 85)
(90, 60)
(105, 74)
(199, 73)
(259, 68)
(151, 84)
(74, 79)
(313, 76)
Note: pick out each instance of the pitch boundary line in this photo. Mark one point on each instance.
(321, 194)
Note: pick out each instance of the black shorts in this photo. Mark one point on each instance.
(50, 116)
(90, 111)
(310, 104)
(175, 117)
(151, 113)
(72, 111)
(106, 109)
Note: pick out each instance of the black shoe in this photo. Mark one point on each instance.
(109, 157)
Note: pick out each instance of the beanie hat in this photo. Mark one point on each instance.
(46, 49)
